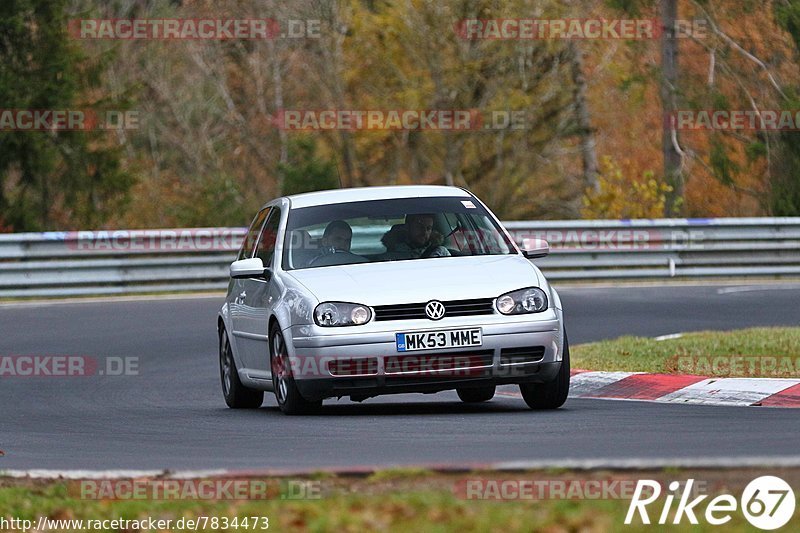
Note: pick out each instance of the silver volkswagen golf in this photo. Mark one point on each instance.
(380, 290)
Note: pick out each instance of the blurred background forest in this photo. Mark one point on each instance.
(207, 153)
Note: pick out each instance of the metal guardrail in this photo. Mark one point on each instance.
(137, 261)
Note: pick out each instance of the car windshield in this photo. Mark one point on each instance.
(391, 230)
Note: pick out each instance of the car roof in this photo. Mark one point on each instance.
(361, 194)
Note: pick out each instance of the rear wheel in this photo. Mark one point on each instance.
(287, 395)
(237, 396)
(549, 395)
(476, 395)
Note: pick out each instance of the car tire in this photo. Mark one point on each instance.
(550, 395)
(289, 399)
(476, 395)
(237, 396)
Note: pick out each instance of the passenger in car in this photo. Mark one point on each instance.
(414, 239)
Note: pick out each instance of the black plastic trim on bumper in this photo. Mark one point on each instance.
(317, 389)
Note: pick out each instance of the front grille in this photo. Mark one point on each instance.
(457, 364)
(521, 356)
(354, 367)
(482, 306)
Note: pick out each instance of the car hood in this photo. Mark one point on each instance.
(395, 282)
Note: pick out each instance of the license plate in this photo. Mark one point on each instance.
(434, 340)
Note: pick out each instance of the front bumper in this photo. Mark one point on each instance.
(367, 363)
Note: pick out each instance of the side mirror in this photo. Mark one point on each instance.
(248, 268)
(533, 248)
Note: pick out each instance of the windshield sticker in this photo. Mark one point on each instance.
(468, 204)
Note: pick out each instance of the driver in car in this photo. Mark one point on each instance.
(414, 239)
(337, 236)
(336, 239)
(335, 244)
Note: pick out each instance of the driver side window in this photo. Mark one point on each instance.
(250, 238)
(266, 243)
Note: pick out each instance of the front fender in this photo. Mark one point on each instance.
(295, 307)
(224, 316)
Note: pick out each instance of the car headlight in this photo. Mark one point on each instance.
(330, 314)
(532, 300)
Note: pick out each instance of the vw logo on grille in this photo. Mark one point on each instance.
(434, 309)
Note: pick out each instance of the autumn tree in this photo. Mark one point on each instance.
(54, 179)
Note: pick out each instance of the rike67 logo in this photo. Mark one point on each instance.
(767, 502)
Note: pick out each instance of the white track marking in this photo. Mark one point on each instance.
(113, 299)
(668, 337)
(729, 391)
(755, 288)
(588, 382)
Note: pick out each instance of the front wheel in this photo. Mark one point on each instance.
(289, 399)
(237, 396)
(549, 395)
(476, 395)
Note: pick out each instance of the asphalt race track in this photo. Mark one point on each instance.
(171, 415)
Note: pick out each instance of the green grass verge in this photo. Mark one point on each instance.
(754, 352)
(377, 503)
